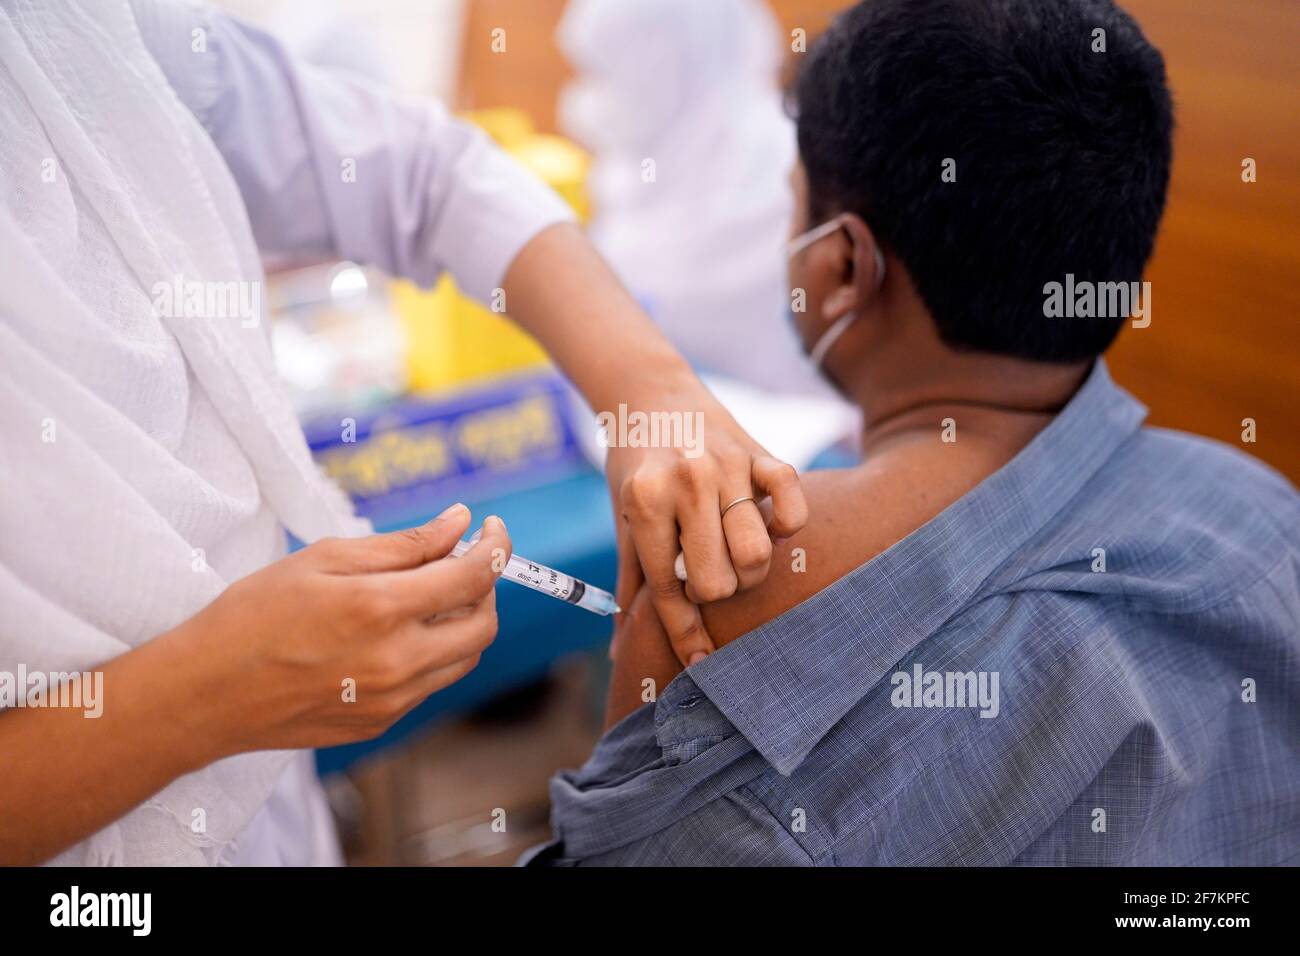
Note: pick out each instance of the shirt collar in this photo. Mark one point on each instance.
(787, 683)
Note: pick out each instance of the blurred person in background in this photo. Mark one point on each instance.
(679, 103)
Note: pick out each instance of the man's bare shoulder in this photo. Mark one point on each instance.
(855, 514)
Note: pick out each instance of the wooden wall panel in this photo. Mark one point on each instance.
(529, 74)
(1224, 341)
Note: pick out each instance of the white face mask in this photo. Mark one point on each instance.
(797, 245)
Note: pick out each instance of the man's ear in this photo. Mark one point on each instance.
(842, 299)
(868, 260)
(862, 271)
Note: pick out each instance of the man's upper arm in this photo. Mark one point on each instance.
(850, 521)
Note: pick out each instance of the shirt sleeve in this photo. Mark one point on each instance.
(331, 164)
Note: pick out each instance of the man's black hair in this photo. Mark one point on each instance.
(1062, 156)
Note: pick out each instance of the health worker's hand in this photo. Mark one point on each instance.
(671, 499)
(334, 643)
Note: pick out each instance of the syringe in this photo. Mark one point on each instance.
(549, 581)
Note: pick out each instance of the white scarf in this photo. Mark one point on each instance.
(110, 190)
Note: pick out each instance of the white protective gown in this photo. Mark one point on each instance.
(151, 459)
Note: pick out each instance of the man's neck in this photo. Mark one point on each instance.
(902, 396)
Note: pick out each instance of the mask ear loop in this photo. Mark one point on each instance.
(831, 335)
(799, 243)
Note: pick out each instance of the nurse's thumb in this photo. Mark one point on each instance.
(401, 550)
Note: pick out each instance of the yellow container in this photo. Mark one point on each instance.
(452, 339)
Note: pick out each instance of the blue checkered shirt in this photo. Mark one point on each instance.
(1133, 591)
